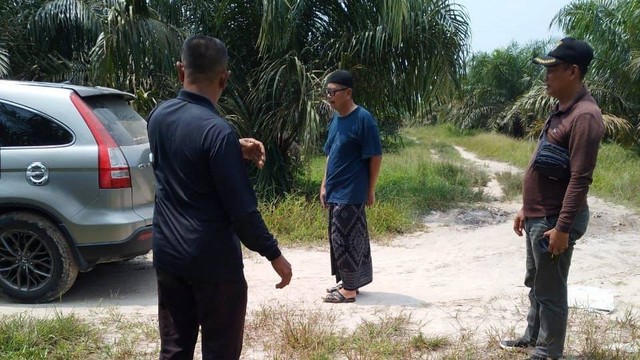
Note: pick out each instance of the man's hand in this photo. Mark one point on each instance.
(323, 196)
(518, 223)
(283, 268)
(558, 241)
(371, 199)
(253, 150)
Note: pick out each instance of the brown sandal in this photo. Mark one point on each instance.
(337, 298)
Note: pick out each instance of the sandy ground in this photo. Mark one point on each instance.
(464, 273)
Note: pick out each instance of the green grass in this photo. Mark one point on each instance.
(423, 343)
(128, 337)
(617, 175)
(286, 333)
(295, 220)
(58, 337)
(283, 332)
(511, 184)
(426, 175)
(115, 336)
(293, 334)
(493, 146)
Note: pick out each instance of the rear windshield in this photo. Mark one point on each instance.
(124, 124)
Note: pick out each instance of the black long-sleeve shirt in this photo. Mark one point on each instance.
(205, 202)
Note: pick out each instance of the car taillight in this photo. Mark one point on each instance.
(113, 169)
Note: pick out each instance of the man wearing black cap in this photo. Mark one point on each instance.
(354, 156)
(555, 213)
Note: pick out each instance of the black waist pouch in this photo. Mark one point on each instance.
(552, 160)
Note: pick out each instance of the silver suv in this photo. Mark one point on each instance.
(76, 185)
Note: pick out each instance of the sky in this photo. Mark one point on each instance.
(496, 23)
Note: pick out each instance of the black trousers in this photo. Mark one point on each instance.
(217, 308)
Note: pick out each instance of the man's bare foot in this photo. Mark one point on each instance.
(348, 293)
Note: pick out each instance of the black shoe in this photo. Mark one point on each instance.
(516, 344)
(536, 357)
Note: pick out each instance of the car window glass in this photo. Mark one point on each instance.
(21, 127)
(124, 124)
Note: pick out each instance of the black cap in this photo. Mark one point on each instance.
(342, 77)
(570, 51)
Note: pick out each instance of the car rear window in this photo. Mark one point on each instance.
(124, 124)
(22, 127)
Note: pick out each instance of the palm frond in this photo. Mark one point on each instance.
(282, 106)
(402, 52)
(133, 47)
(69, 26)
(618, 129)
(634, 64)
(4, 61)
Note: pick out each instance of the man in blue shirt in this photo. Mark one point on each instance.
(354, 156)
(205, 206)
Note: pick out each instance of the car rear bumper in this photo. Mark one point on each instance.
(139, 243)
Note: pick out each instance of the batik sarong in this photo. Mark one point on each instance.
(349, 243)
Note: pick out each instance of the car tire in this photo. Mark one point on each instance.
(36, 262)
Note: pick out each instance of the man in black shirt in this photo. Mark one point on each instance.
(205, 206)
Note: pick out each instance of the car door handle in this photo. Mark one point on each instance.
(37, 174)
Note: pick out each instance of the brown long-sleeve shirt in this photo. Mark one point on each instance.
(578, 127)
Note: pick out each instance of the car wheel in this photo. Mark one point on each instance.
(36, 263)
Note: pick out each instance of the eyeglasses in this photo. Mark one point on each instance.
(332, 92)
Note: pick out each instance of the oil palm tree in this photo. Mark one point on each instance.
(493, 83)
(611, 27)
(403, 53)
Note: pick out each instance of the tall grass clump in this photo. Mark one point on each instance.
(117, 336)
(598, 336)
(511, 184)
(296, 220)
(59, 337)
(286, 333)
(427, 185)
(128, 337)
(281, 332)
(387, 337)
